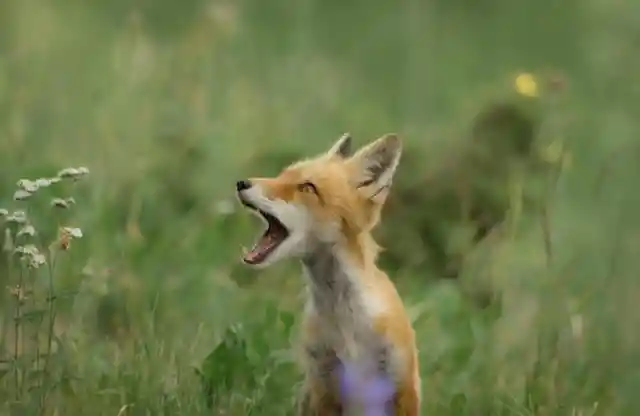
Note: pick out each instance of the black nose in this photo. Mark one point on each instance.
(242, 185)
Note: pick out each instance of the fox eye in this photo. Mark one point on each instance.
(308, 187)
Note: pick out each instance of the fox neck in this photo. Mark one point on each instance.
(334, 284)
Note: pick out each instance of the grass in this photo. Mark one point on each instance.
(168, 105)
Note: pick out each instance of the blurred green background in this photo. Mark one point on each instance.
(168, 103)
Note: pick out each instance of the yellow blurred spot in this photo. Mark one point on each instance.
(526, 85)
(554, 152)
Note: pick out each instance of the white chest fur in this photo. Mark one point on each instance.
(344, 311)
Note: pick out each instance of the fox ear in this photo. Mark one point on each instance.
(374, 166)
(342, 147)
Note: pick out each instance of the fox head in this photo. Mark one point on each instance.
(334, 198)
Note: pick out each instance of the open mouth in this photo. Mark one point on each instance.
(273, 236)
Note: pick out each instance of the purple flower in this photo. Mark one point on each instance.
(370, 390)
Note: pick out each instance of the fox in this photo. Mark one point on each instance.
(358, 345)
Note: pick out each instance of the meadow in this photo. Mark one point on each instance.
(130, 298)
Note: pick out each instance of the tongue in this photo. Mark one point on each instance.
(261, 249)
